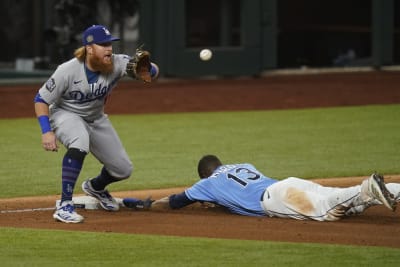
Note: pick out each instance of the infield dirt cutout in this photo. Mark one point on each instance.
(376, 227)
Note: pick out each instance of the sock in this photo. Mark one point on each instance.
(71, 168)
(101, 181)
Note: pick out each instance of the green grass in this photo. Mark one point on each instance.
(165, 148)
(63, 248)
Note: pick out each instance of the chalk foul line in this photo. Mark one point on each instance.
(26, 210)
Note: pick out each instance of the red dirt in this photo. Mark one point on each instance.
(273, 92)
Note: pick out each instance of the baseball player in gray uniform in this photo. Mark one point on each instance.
(70, 108)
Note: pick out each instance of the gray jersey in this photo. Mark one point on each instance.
(68, 88)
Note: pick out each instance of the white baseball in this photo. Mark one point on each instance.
(205, 54)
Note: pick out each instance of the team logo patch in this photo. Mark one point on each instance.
(107, 32)
(50, 85)
(89, 38)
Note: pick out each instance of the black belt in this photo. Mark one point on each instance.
(262, 195)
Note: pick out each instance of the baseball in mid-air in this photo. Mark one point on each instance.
(205, 54)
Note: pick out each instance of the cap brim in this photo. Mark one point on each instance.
(112, 39)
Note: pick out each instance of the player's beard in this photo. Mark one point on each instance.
(105, 66)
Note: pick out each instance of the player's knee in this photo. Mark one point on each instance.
(122, 172)
(76, 154)
(127, 171)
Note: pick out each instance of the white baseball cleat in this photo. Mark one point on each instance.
(375, 188)
(65, 212)
(107, 202)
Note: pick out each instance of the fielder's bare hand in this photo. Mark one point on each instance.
(49, 141)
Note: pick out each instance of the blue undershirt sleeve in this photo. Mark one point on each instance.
(39, 99)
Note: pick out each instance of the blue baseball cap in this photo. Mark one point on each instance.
(97, 34)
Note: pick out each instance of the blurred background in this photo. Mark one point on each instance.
(247, 37)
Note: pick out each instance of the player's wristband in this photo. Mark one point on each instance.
(154, 70)
(44, 123)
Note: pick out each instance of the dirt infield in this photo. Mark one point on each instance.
(376, 227)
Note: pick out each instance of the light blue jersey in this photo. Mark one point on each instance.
(238, 187)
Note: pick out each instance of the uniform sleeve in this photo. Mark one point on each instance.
(55, 86)
(120, 61)
(201, 191)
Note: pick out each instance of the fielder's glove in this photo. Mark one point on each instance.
(139, 66)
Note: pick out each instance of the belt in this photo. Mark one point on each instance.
(262, 195)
